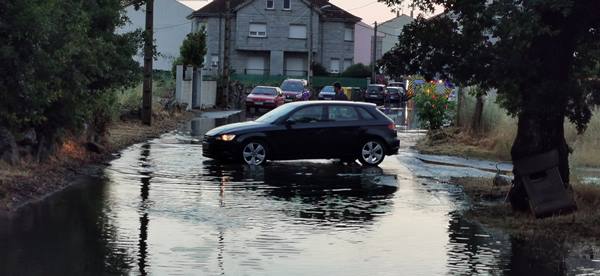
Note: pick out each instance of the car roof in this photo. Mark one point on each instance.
(295, 79)
(262, 86)
(309, 103)
(304, 82)
(381, 85)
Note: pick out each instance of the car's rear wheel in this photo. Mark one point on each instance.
(254, 153)
(372, 152)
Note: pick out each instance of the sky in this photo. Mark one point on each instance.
(369, 10)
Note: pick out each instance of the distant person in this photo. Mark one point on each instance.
(339, 92)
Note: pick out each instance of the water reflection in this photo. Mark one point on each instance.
(146, 173)
(67, 235)
(163, 209)
(326, 191)
(471, 251)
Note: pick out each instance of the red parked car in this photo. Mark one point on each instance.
(267, 97)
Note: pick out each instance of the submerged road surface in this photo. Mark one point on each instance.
(163, 209)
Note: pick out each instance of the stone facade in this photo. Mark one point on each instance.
(276, 53)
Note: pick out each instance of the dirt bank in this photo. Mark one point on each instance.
(29, 182)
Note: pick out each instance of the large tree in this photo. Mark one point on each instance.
(59, 62)
(541, 55)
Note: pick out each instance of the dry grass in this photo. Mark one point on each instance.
(586, 146)
(489, 209)
(457, 142)
(500, 131)
(123, 134)
(30, 181)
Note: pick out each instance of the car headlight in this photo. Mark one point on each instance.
(226, 137)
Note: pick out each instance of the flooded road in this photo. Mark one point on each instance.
(161, 208)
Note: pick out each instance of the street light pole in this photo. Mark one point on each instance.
(310, 46)
(148, 54)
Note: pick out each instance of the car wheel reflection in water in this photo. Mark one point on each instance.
(323, 192)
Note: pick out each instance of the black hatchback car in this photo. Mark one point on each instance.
(307, 130)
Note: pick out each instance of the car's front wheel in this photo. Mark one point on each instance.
(254, 153)
(372, 152)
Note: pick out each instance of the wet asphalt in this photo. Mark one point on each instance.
(161, 208)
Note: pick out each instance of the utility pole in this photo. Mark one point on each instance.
(374, 58)
(148, 54)
(226, 47)
(309, 72)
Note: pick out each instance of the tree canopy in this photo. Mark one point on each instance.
(58, 59)
(522, 48)
(358, 70)
(193, 49)
(542, 56)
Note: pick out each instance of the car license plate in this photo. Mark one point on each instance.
(258, 103)
(373, 96)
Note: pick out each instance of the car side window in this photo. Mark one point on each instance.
(365, 114)
(342, 113)
(309, 114)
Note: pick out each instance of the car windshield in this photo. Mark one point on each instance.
(393, 90)
(327, 89)
(275, 114)
(375, 88)
(294, 86)
(264, 91)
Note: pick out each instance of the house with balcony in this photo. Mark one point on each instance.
(273, 37)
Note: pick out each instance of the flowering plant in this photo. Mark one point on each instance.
(433, 108)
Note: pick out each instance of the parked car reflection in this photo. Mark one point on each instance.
(318, 191)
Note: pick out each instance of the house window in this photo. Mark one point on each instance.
(348, 34)
(335, 66)
(258, 30)
(214, 61)
(347, 63)
(298, 31)
(287, 4)
(270, 4)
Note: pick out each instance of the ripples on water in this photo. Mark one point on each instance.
(163, 209)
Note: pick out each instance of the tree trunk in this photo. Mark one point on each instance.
(459, 103)
(545, 95)
(477, 115)
(538, 132)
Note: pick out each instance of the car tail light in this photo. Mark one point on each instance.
(392, 126)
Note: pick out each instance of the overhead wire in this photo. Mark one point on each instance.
(363, 6)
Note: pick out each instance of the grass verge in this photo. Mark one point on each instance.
(499, 132)
(488, 208)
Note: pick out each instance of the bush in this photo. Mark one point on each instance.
(61, 60)
(433, 109)
(358, 70)
(319, 70)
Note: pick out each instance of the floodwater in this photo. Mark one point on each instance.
(161, 208)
